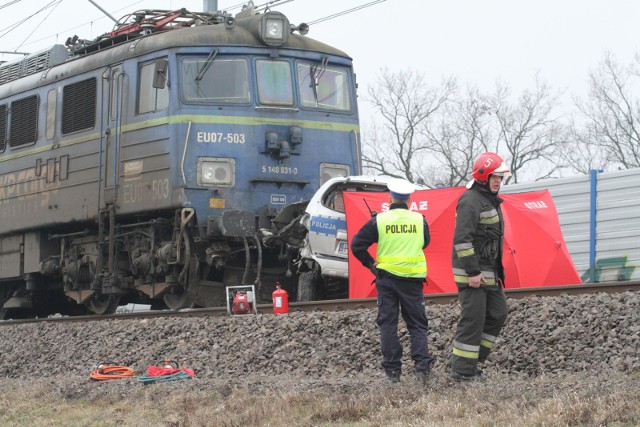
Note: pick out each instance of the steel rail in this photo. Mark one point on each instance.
(346, 304)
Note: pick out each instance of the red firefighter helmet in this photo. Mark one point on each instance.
(489, 164)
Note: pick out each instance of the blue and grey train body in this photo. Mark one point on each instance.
(151, 166)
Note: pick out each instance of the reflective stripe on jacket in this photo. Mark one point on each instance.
(400, 243)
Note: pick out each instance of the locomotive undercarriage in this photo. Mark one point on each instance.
(35, 297)
(164, 262)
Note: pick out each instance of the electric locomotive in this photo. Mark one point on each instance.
(154, 164)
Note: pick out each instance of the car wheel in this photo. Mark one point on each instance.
(308, 286)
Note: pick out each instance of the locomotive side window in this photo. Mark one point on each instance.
(79, 106)
(216, 81)
(3, 127)
(51, 114)
(151, 98)
(324, 87)
(274, 82)
(24, 121)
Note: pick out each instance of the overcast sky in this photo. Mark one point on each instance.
(477, 41)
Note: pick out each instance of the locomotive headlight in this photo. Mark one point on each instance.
(274, 29)
(216, 171)
(209, 172)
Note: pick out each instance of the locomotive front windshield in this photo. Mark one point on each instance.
(275, 84)
(226, 81)
(326, 88)
(220, 81)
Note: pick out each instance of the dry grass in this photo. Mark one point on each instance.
(572, 400)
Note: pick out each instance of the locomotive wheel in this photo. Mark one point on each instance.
(103, 304)
(307, 286)
(177, 298)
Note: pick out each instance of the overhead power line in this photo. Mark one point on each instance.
(71, 28)
(270, 3)
(236, 6)
(36, 27)
(345, 12)
(12, 27)
(2, 6)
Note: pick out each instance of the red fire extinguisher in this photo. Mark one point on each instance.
(280, 300)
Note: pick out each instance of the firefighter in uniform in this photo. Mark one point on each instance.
(477, 267)
(400, 269)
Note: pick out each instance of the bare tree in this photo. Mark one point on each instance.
(529, 130)
(583, 154)
(611, 115)
(434, 134)
(463, 132)
(396, 144)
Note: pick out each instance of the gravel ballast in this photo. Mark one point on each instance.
(543, 335)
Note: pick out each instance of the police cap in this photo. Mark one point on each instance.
(400, 188)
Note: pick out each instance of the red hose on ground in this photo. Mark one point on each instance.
(111, 372)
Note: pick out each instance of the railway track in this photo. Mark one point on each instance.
(347, 304)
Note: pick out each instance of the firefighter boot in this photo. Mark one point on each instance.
(393, 377)
(422, 377)
(465, 378)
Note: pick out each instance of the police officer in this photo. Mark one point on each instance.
(477, 267)
(400, 270)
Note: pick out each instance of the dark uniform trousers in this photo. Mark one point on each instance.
(488, 303)
(408, 294)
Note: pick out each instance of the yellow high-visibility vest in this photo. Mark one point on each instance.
(400, 242)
